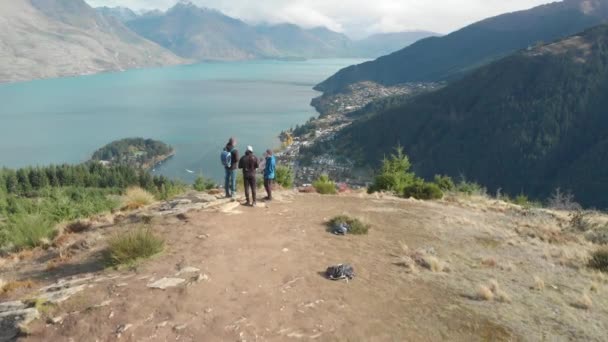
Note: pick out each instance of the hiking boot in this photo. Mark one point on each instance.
(254, 204)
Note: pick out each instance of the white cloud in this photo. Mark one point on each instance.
(355, 17)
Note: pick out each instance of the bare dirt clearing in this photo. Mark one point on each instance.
(257, 274)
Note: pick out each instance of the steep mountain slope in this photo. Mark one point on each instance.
(123, 14)
(206, 34)
(450, 56)
(531, 122)
(51, 38)
(384, 43)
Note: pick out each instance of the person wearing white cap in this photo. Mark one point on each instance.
(249, 165)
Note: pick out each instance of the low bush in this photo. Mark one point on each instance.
(136, 198)
(325, 186)
(470, 188)
(599, 235)
(580, 222)
(599, 259)
(27, 231)
(203, 184)
(129, 247)
(423, 191)
(284, 176)
(356, 227)
(445, 183)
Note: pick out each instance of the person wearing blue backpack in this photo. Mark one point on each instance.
(230, 157)
(269, 173)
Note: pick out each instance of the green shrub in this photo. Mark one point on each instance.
(470, 188)
(27, 231)
(284, 176)
(356, 226)
(129, 247)
(522, 200)
(394, 174)
(445, 183)
(203, 184)
(423, 191)
(325, 186)
(599, 259)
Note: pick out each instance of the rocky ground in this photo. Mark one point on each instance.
(461, 269)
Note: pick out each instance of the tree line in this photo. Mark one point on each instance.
(26, 181)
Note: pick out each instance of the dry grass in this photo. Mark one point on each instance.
(79, 226)
(583, 302)
(12, 286)
(422, 258)
(434, 264)
(484, 293)
(595, 287)
(61, 260)
(489, 262)
(137, 198)
(599, 259)
(492, 291)
(539, 284)
(502, 297)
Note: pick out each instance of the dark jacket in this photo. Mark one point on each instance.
(235, 156)
(249, 164)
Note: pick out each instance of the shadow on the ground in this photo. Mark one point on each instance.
(94, 263)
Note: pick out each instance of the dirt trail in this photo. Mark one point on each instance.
(262, 279)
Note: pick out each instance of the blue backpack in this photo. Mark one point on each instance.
(226, 158)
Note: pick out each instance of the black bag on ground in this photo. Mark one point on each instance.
(342, 271)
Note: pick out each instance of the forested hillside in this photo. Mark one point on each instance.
(449, 57)
(529, 123)
(135, 152)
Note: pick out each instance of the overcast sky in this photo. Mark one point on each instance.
(354, 17)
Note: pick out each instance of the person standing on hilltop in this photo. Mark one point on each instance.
(249, 165)
(230, 158)
(269, 173)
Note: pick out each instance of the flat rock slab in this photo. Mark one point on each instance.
(14, 315)
(187, 270)
(60, 294)
(165, 283)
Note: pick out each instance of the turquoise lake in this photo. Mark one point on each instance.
(194, 108)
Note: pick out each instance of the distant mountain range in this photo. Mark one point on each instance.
(205, 34)
(51, 38)
(123, 14)
(530, 122)
(451, 56)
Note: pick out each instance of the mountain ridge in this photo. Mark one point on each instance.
(459, 52)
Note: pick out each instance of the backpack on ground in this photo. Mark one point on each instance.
(342, 271)
(226, 158)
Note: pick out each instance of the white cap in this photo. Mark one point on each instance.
(249, 148)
